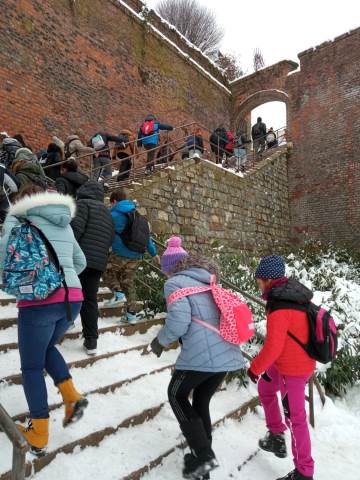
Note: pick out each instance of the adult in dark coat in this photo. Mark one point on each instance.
(54, 156)
(258, 133)
(71, 178)
(94, 230)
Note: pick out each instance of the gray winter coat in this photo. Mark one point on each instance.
(202, 349)
(93, 225)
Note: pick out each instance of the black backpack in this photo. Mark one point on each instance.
(136, 234)
(322, 343)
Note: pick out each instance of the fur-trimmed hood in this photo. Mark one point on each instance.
(54, 207)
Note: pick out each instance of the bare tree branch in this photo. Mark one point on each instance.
(258, 60)
(196, 22)
(231, 66)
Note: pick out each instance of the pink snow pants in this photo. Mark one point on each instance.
(292, 391)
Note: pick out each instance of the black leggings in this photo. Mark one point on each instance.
(204, 386)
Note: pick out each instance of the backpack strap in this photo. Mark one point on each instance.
(185, 292)
(273, 306)
(205, 324)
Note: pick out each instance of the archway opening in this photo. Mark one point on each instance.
(271, 107)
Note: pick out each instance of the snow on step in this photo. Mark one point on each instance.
(73, 349)
(241, 443)
(107, 410)
(130, 449)
(124, 366)
(9, 335)
(336, 436)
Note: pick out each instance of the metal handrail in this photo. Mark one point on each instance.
(137, 171)
(20, 445)
(108, 149)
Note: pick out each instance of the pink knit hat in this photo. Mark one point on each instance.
(172, 255)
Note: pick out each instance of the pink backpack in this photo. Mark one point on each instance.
(236, 320)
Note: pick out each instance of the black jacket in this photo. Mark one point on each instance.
(70, 182)
(93, 225)
(258, 131)
(292, 292)
(54, 156)
(218, 139)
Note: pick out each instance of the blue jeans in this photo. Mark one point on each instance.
(39, 329)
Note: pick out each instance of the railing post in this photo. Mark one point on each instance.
(18, 463)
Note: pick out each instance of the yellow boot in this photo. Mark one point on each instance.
(75, 403)
(37, 434)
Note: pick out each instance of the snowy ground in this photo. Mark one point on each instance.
(336, 440)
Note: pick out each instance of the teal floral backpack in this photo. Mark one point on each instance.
(31, 268)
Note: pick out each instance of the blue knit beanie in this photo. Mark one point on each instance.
(271, 267)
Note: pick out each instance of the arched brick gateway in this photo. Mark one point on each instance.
(255, 100)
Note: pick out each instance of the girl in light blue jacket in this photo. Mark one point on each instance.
(205, 356)
(42, 323)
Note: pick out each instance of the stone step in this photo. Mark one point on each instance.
(236, 414)
(235, 455)
(109, 344)
(8, 337)
(100, 422)
(10, 316)
(7, 300)
(154, 435)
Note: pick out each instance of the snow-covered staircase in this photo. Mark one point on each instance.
(128, 429)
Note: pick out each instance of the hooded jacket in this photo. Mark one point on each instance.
(76, 147)
(25, 153)
(152, 139)
(119, 214)
(54, 156)
(202, 349)
(280, 349)
(93, 225)
(28, 173)
(52, 213)
(70, 182)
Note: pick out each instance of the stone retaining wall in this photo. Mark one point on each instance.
(205, 204)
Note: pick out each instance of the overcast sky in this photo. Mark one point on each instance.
(280, 28)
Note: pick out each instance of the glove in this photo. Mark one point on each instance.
(156, 347)
(254, 378)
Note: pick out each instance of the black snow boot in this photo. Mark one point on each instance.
(202, 459)
(188, 459)
(295, 475)
(274, 444)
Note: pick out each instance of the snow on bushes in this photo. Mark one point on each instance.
(332, 274)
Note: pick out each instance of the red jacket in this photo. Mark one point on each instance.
(282, 350)
(230, 141)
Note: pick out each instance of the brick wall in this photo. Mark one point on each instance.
(323, 114)
(95, 65)
(324, 170)
(204, 203)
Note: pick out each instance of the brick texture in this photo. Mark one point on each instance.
(323, 116)
(94, 65)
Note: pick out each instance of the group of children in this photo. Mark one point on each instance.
(205, 357)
